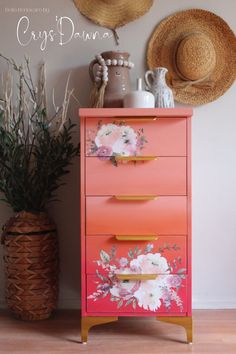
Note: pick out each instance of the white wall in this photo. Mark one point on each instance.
(214, 143)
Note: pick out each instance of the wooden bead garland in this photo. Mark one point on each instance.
(101, 78)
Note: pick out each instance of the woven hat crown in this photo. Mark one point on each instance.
(195, 56)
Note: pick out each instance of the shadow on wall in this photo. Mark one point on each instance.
(66, 212)
(79, 80)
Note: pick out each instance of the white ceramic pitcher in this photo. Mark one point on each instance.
(158, 86)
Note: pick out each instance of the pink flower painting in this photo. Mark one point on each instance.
(115, 139)
(104, 152)
(146, 294)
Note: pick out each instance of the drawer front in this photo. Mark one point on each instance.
(165, 294)
(143, 253)
(162, 216)
(130, 137)
(163, 176)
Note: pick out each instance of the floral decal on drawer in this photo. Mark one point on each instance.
(147, 294)
(115, 139)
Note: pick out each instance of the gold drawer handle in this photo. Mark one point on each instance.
(135, 158)
(137, 119)
(135, 197)
(136, 276)
(136, 237)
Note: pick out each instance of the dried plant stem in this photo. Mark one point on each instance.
(35, 148)
(32, 89)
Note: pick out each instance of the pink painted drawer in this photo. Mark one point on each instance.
(163, 176)
(165, 294)
(158, 255)
(128, 137)
(161, 216)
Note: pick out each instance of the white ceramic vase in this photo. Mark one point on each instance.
(158, 86)
(139, 98)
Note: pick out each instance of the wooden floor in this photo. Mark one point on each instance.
(214, 332)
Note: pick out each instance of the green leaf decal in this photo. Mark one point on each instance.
(183, 276)
(113, 298)
(129, 302)
(130, 254)
(120, 303)
(113, 252)
(181, 270)
(101, 276)
(104, 295)
(104, 256)
(99, 124)
(113, 161)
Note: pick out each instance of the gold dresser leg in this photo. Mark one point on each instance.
(185, 322)
(89, 321)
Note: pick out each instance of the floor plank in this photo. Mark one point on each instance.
(214, 333)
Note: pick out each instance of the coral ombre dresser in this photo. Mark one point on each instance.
(136, 215)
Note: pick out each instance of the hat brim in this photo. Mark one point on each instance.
(162, 45)
(114, 14)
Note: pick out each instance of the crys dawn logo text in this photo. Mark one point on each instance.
(63, 33)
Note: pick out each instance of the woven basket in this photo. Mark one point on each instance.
(31, 265)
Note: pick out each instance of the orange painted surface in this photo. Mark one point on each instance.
(163, 216)
(93, 113)
(107, 305)
(163, 137)
(82, 223)
(189, 215)
(168, 216)
(173, 248)
(164, 176)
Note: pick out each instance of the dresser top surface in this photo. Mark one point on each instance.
(137, 112)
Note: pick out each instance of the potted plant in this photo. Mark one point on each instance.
(35, 151)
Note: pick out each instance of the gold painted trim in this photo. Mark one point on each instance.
(185, 322)
(136, 237)
(89, 321)
(141, 119)
(136, 276)
(135, 197)
(136, 158)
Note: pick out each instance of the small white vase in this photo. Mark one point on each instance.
(162, 93)
(139, 98)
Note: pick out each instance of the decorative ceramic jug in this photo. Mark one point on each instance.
(163, 94)
(139, 98)
(117, 75)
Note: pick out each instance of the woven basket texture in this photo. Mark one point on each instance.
(31, 266)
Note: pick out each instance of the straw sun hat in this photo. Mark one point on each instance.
(113, 13)
(199, 50)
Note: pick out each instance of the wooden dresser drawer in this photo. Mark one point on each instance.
(161, 216)
(135, 215)
(128, 137)
(144, 253)
(163, 176)
(165, 294)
